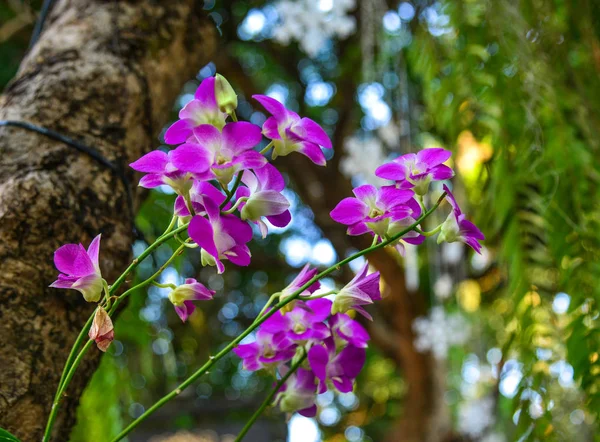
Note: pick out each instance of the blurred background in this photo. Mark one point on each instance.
(493, 348)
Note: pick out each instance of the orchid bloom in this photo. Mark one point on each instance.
(221, 237)
(362, 290)
(159, 169)
(303, 323)
(182, 296)
(400, 224)
(373, 210)
(102, 330)
(268, 351)
(200, 191)
(458, 228)
(341, 368)
(418, 170)
(290, 133)
(305, 275)
(299, 393)
(263, 192)
(226, 152)
(80, 269)
(203, 109)
(346, 328)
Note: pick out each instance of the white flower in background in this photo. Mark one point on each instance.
(493, 437)
(438, 332)
(476, 416)
(390, 134)
(443, 286)
(313, 22)
(363, 156)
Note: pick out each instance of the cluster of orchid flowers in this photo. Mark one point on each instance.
(224, 185)
(319, 330)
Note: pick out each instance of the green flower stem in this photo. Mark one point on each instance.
(68, 368)
(71, 357)
(164, 286)
(214, 359)
(267, 305)
(320, 295)
(230, 194)
(235, 206)
(60, 391)
(146, 282)
(161, 239)
(266, 148)
(270, 398)
(422, 203)
(63, 386)
(430, 233)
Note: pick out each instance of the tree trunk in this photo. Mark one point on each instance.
(105, 73)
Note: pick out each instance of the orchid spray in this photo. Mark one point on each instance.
(224, 185)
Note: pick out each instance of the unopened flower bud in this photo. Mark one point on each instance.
(226, 96)
(207, 259)
(102, 330)
(264, 203)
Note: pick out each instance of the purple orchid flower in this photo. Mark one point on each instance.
(419, 169)
(400, 224)
(182, 297)
(159, 169)
(80, 269)
(226, 152)
(221, 237)
(263, 191)
(299, 394)
(268, 351)
(458, 228)
(290, 133)
(305, 275)
(203, 109)
(373, 210)
(341, 369)
(303, 323)
(362, 290)
(349, 330)
(198, 193)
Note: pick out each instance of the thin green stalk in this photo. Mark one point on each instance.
(161, 239)
(430, 233)
(164, 286)
(61, 391)
(230, 194)
(65, 378)
(147, 281)
(214, 359)
(235, 206)
(71, 357)
(266, 148)
(269, 398)
(267, 305)
(321, 295)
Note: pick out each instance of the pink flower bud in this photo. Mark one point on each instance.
(102, 330)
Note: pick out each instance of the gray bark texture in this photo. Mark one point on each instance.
(105, 73)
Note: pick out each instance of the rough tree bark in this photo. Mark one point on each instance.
(107, 73)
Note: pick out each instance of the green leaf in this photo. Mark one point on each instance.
(5, 436)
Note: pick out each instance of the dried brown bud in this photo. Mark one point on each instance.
(102, 330)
